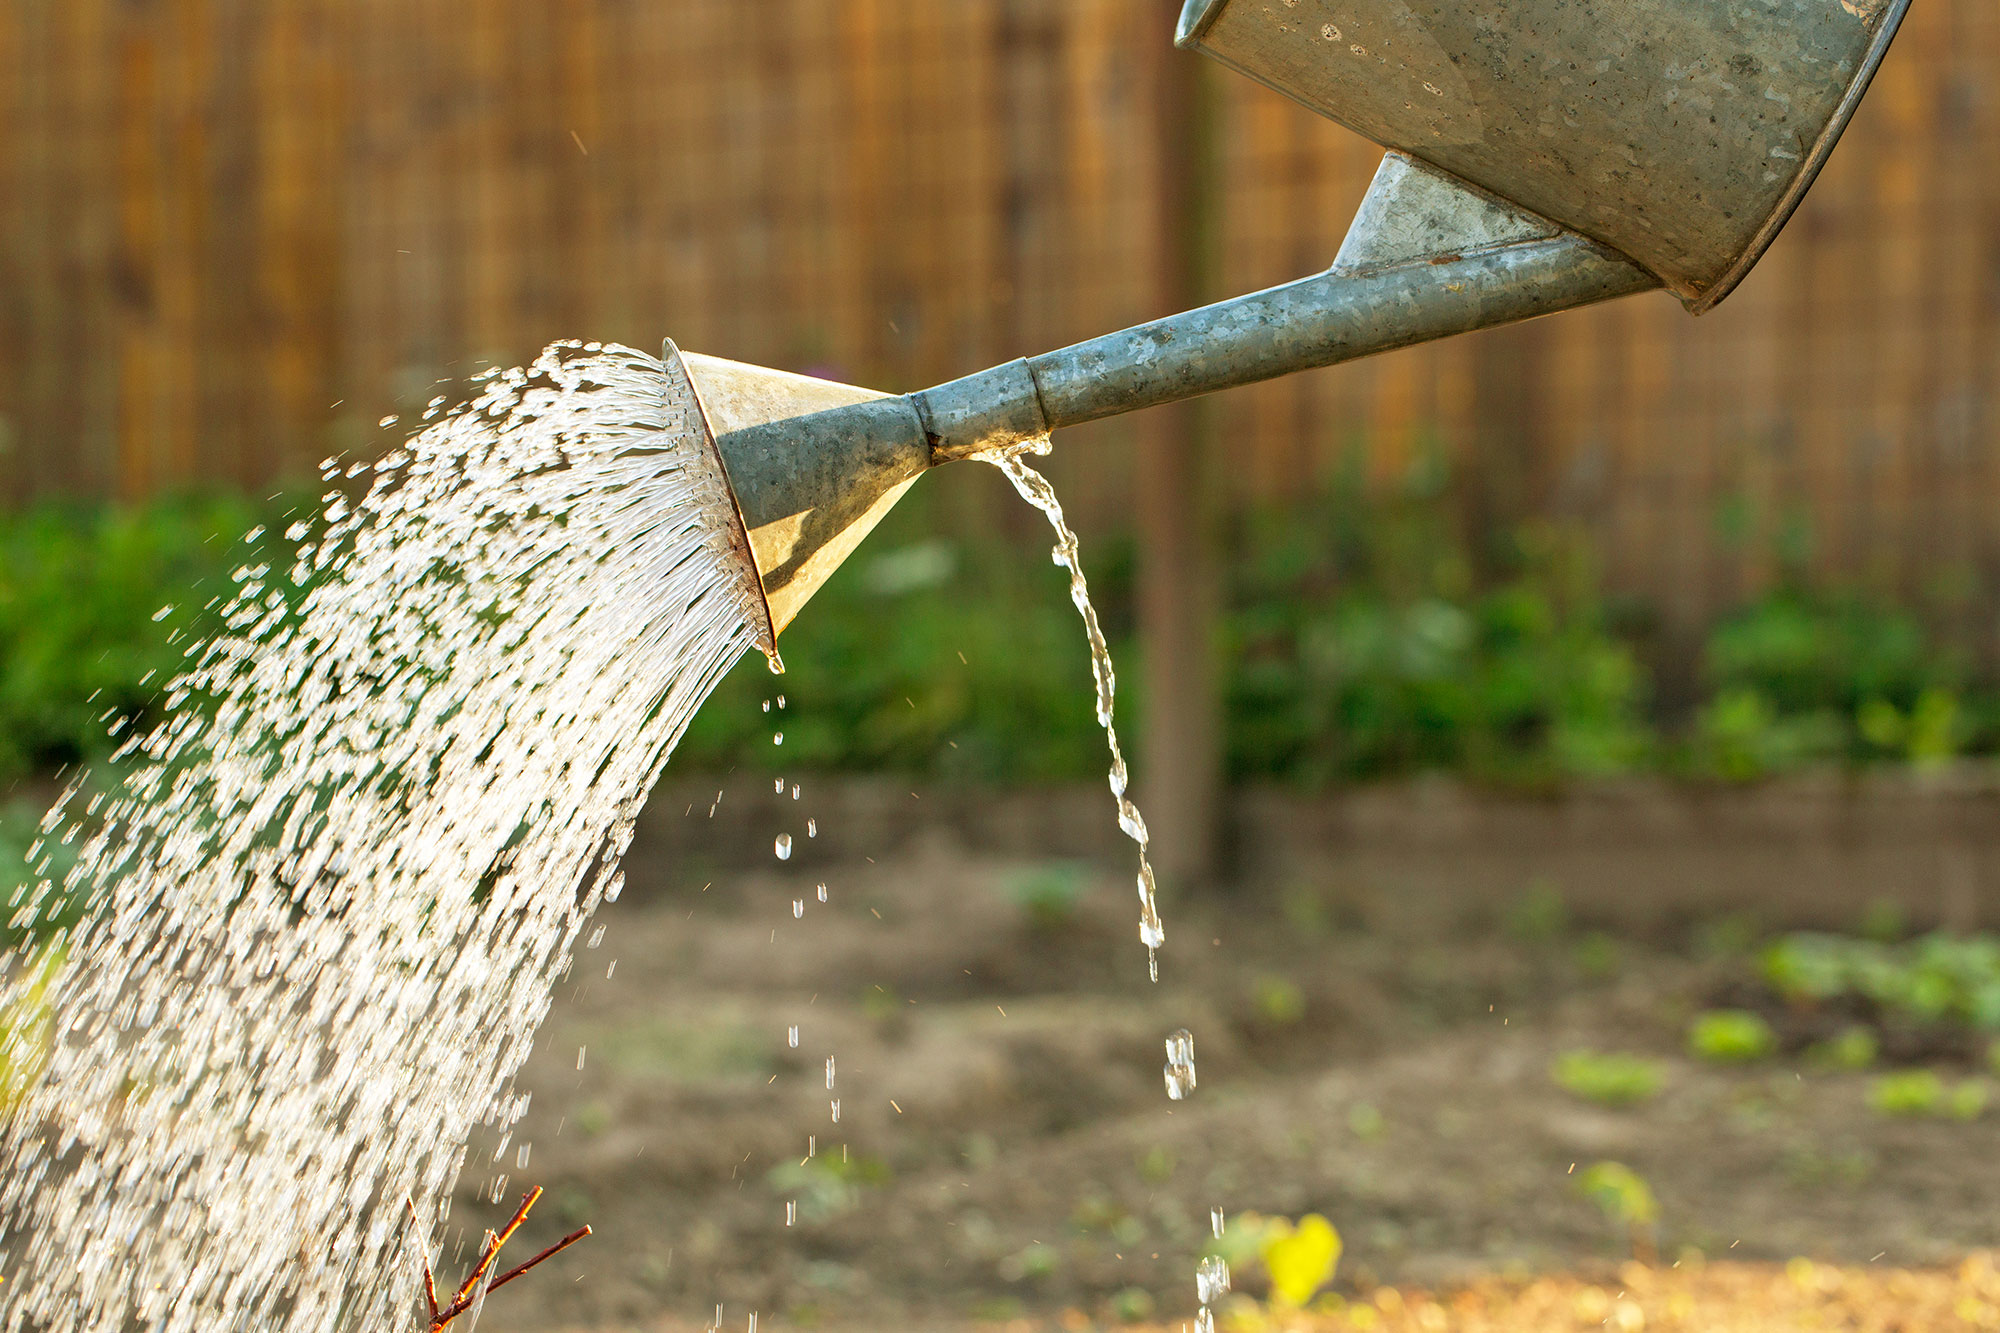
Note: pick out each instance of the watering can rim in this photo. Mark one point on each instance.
(1197, 16)
(763, 629)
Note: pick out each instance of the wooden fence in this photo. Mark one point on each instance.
(234, 233)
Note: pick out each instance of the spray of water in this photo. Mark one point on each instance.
(340, 882)
(1033, 487)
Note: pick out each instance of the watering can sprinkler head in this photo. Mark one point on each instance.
(1542, 157)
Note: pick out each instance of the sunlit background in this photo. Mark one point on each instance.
(1570, 746)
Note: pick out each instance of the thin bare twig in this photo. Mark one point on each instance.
(430, 1280)
(470, 1292)
(550, 1253)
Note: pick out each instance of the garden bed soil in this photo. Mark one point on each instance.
(1005, 1151)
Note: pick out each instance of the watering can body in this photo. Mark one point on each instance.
(1544, 155)
(1681, 133)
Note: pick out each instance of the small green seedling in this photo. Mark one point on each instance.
(1366, 1121)
(1920, 1092)
(1049, 895)
(1608, 1078)
(1854, 1049)
(1626, 1201)
(1731, 1036)
(1280, 1001)
(1908, 1092)
(1540, 916)
(1133, 1305)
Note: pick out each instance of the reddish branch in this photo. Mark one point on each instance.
(469, 1292)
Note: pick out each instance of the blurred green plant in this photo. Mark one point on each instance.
(1626, 1201)
(1853, 1049)
(826, 1187)
(1364, 647)
(1608, 1078)
(1935, 978)
(1920, 1092)
(26, 1025)
(1731, 1036)
(1049, 894)
(1806, 675)
(97, 606)
(1540, 915)
(1278, 1000)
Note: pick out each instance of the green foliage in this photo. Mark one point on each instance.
(924, 655)
(26, 1025)
(1132, 1304)
(1366, 1122)
(1608, 1078)
(1920, 1092)
(1540, 916)
(1621, 1193)
(1048, 895)
(827, 1187)
(1936, 978)
(1626, 1201)
(1364, 647)
(97, 605)
(1855, 1048)
(1731, 1036)
(1279, 1001)
(1805, 676)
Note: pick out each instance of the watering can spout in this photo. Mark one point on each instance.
(1508, 192)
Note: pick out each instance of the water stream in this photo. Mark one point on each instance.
(1033, 487)
(338, 885)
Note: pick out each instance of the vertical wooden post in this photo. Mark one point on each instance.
(1182, 778)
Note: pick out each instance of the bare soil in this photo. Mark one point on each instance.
(1005, 1153)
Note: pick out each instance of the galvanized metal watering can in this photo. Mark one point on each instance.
(1544, 154)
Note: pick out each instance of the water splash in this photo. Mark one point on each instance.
(1033, 487)
(336, 898)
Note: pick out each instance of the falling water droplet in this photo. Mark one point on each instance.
(1211, 1279)
(829, 1073)
(1204, 1321)
(783, 846)
(753, 1321)
(781, 701)
(777, 738)
(779, 786)
(792, 1040)
(1180, 1064)
(812, 1146)
(798, 908)
(836, 1110)
(822, 893)
(812, 828)
(596, 938)
(795, 791)
(386, 422)
(1215, 1222)
(791, 1212)
(767, 705)
(579, 1057)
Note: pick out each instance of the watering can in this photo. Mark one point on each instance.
(1543, 155)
